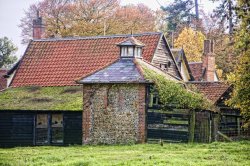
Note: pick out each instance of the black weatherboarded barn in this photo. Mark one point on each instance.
(23, 125)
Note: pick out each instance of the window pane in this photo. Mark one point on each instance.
(130, 51)
(139, 52)
(57, 120)
(42, 129)
(123, 51)
(42, 121)
(57, 128)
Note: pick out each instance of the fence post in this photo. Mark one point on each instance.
(238, 126)
(191, 126)
(215, 125)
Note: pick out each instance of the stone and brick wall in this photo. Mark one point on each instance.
(3, 81)
(114, 114)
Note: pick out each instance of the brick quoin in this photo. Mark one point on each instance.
(142, 114)
(86, 117)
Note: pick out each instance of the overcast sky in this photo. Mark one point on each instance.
(11, 11)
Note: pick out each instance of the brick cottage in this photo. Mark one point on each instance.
(91, 90)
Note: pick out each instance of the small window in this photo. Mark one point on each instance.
(49, 129)
(138, 52)
(169, 64)
(42, 129)
(42, 121)
(127, 52)
(164, 67)
(130, 51)
(154, 99)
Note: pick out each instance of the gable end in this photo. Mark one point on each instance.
(163, 58)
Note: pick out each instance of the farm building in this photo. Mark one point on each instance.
(91, 90)
(3, 81)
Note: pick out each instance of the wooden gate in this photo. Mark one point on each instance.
(169, 124)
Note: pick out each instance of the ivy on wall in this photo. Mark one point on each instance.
(174, 93)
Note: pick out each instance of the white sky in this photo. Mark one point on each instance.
(11, 11)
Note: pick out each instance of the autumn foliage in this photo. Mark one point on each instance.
(192, 43)
(88, 18)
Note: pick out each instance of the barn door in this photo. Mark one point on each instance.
(56, 128)
(42, 129)
(49, 129)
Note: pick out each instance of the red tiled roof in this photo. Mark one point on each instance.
(3, 81)
(196, 69)
(59, 62)
(212, 90)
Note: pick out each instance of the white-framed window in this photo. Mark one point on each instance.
(127, 51)
(138, 52)
(130, 51)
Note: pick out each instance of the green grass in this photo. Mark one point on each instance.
(42, 98)
(221, 154)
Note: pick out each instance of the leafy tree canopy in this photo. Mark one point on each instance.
(241, 94)
(192, 43)
(7, 50)
(88, 18)
(179, 13)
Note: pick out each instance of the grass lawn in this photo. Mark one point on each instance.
(235, 153)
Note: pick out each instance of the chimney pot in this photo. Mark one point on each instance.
(38, 27)
(207, 46)
(208, 60)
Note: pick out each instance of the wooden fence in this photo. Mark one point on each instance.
(181, 125)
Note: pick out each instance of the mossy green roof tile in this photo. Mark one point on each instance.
(68, 98)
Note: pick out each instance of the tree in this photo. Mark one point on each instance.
(225, 54)
(179, 14)
(161, 24)
(241, 93)
(225, 11)
(192, 43)
(136, 18)
(88, 18)
(55, 15)
(7, 50)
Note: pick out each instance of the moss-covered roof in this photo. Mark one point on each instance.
(42, 98)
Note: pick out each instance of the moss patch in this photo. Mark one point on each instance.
(42, 98)
(173, 93)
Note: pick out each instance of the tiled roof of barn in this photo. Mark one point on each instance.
(124, 70)
(196, 69)
(212, 90)
(42, 98)
(59, 62)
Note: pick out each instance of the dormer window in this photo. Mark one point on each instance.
(138, 52)
(131, 48)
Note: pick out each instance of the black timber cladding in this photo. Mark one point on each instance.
(73, 128)
(17, 128)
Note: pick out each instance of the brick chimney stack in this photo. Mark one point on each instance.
(38, 27)
(208, 61)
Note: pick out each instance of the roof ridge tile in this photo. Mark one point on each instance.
(97, 37)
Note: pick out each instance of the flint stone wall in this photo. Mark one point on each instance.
(114, 114)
